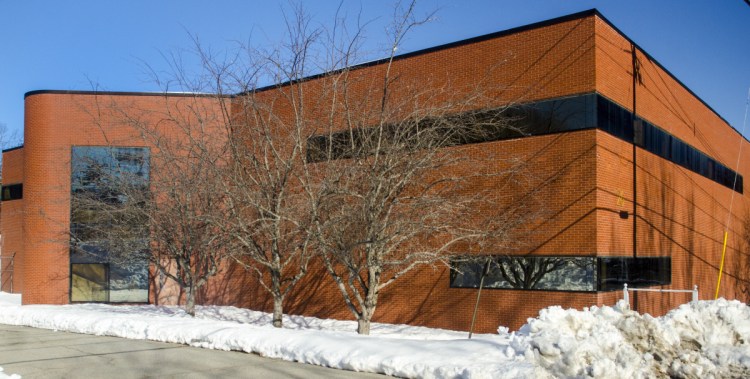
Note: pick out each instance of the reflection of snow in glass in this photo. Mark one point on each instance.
(542, 273)
(98, 174)
(128, 295)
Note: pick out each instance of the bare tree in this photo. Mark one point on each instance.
(363, 167)
(389, 188)
(8, 139)
(164, 210)
(186, 202)
(267, 216)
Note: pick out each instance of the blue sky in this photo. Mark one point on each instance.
(87, 44)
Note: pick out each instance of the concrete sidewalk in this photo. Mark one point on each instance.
(40, 353)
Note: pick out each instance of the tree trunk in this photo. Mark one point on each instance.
(190, 301)
(363, 325)
(278, 311)
(371, 301)
(365, 317)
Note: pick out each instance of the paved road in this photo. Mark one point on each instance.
(39, 353)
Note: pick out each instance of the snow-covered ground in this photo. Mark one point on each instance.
(703, 340)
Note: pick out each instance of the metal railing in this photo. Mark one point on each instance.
(626, 296)
(6, 271)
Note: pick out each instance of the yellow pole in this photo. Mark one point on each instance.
(731, 201)
(721, 265)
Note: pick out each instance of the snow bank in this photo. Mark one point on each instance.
(6, 376)
(398, 350)
(708, 339)
(10, 298)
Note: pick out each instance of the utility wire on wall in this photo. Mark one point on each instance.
(731, 201)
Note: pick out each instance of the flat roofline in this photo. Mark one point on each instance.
(120, 93)
(574, 16)
(658, 64)
(12, 148)
(463, 42)
(536, 25)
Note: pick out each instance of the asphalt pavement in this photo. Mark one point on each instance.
(40, 353)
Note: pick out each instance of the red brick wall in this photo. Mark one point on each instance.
(12, 228)
(54, 123)
(583, 179)
(561, 174)
(681, 214)
(552, 61)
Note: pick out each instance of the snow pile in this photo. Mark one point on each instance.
(6, 376)
(10, 298)
(399, 350)
(706, 339)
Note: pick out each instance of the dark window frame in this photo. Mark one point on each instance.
(665, 145)
(107, 158)
(602, 281)
(12, 192)
(643, 265)
(551, 116)
(479, 260)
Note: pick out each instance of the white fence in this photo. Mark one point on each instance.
(626, 296)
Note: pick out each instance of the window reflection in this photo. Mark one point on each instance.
(88, 282)
(106, 268)
(560, 273)
(539, 273)
(614, 272)
(537, 118)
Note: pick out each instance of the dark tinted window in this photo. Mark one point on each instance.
(613, 119)
(614, 272)
(530, 273)
(617, 121)
(557, 115)
(537, 118)
(560, 273)
(543, 117)
(12, 192)
(657, 141)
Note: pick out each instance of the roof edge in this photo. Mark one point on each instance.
(467, 41)
(120, 93)
(658, 64)
(573, 16)
(13, 148)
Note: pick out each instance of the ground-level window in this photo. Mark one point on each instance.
(88, 282)
(559, 273)
(108, 243)
(614, 272)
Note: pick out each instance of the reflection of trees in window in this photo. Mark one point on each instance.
(550, 116)
(561, 273)
(516, 272)
(106, 182)
(550, 273)
(527, 273)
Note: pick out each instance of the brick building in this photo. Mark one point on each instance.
(573, 85)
